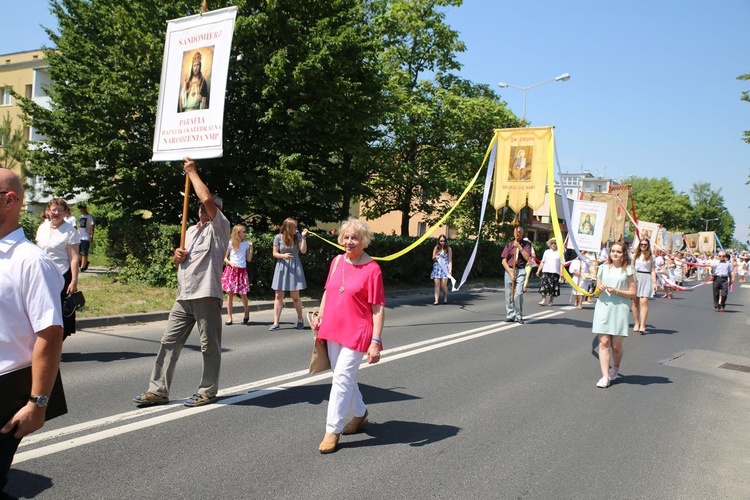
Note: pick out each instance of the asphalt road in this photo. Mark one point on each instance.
(462, 406)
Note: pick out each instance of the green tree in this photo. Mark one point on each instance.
(469, 116)
(308, 100)
(13, 145)
(745, 97)
(709, 204)
(436, 133)
(302, 99)
(657, 201)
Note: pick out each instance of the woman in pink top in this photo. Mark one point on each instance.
(352, 312)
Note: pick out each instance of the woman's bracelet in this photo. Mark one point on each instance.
(377, 340)
(74, 282)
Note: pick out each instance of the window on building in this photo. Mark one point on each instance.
(29, 90)
(421, 228)
(6, 98)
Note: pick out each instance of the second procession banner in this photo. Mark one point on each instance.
(521, 165)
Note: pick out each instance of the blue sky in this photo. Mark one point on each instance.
(653, 89)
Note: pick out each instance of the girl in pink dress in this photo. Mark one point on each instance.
(235, 281)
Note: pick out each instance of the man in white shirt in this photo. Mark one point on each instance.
(30, 326)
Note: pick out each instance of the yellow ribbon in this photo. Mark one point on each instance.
(439, 223)
(553, 214)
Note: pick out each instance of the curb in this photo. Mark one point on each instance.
(400, 296)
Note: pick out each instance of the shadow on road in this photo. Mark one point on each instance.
(104, 357)
(564, 321)
(400, 432)
(22, 484)
(317, 394)
(641, 380)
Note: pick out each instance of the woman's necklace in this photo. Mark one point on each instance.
(345, 281)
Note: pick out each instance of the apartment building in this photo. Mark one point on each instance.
(26, 74)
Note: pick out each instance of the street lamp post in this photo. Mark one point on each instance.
(707, 221)
(562, 78)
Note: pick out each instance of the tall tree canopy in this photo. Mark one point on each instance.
(435, 116)
(657, 201)
(745, 97)
(709, 204)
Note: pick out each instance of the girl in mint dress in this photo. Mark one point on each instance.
(617, 287)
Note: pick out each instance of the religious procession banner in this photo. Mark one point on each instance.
(613, 226)
(707, 242)
(587, 225)
(691, 240)
(662, 238)
(524, 156)
(620, 216)
(677, 242)
(190, 113)
(647, 230)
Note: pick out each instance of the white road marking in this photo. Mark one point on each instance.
(229, 396)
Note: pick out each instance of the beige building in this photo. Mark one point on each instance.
(19, 73)
(26, 74)
(390, 224)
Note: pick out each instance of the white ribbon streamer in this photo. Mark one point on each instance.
(485, 197)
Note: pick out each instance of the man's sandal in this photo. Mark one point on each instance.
(199, 400)
(150, 399)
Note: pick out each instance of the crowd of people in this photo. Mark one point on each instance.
(625, 279)
(352, 309)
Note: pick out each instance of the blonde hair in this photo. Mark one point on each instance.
(357, 226)
(288, 232)
(236, 239)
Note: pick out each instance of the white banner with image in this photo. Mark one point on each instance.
(587, 225)
(190, 113)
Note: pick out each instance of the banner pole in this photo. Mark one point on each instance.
(185, 206)
(516, 223)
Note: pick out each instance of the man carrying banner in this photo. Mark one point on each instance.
(199, 300)
(721, 275)
(515, 256)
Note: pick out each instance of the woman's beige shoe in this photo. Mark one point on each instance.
(356, 424)
(330, 443)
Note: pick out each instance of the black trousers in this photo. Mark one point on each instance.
(721, 290)
(69, 322)
(8, 447)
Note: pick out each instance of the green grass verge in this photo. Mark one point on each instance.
(105, 296)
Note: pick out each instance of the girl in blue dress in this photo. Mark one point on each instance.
(616, 287)
(442, 267)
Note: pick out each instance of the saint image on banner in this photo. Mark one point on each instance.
(520, 163)
(588, 221)
(196, 70)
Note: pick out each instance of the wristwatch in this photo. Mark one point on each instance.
(40, 401)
